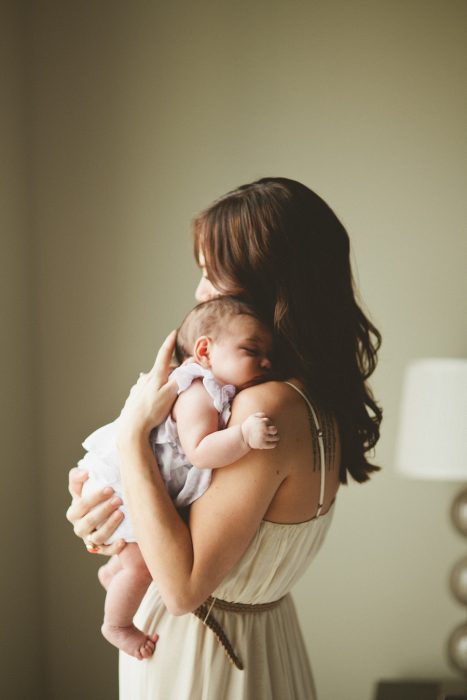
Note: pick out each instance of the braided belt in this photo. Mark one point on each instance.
(207, 618)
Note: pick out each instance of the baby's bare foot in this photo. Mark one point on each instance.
(131, 640)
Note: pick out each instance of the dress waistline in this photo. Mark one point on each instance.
(204, 613)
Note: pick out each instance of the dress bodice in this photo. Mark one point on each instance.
(276, 558)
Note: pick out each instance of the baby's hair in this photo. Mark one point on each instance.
(209, 318)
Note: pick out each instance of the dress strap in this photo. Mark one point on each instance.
(322, 456)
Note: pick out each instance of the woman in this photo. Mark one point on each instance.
(262, 520)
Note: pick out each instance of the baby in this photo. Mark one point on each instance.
(224, 348)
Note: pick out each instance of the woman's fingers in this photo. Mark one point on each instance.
(161, 367)
(103, 532)
(170, 392)
(76, 479)
(110, 549)
(101, 522)
(80, 506)
(151, 398)
(86, 514)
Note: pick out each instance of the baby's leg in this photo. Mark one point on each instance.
(125, 592)
(106, 572)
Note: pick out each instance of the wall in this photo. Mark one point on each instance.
(20, 632)
(143, 113)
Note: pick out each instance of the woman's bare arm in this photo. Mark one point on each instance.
(188, 564)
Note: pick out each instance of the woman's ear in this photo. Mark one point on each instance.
(201, 351)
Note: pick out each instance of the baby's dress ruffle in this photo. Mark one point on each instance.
(185, 483)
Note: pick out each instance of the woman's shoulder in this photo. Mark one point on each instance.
(267, 396)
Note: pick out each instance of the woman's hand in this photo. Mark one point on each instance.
(86, 514)
(96, 517)
(150, 399)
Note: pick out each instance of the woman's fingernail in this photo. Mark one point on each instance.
(107, 491)
(116, 501)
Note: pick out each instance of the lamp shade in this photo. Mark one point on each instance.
(432, 437)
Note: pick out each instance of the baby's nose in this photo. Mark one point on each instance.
(265, 363)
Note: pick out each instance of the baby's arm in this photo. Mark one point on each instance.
(204, 444)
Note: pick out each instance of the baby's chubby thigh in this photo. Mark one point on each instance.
(131, 559)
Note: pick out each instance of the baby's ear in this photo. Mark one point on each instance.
(202, 350)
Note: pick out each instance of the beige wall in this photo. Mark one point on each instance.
(21, 643)
(143, 113)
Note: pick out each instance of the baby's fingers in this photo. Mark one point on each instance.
(264, 420)
(272, 440)
(269, 443)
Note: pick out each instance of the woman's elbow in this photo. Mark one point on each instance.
(180, 604)
(176, 607)
(178, 611)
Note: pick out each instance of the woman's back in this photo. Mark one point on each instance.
(297, 498)
(294, 525)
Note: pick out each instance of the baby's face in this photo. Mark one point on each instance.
(241, 354)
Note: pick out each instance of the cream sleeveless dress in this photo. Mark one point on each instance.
(190, 663)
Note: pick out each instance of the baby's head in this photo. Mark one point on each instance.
(226, 336)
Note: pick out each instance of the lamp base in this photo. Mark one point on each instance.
(459, 512)
(457, 648)
(457, 643)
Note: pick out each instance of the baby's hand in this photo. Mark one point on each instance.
(259, 433)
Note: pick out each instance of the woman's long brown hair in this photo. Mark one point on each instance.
(279, 245)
